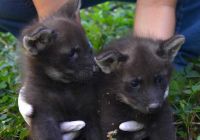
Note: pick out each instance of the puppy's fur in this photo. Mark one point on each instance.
(135, 87)
(58, 69)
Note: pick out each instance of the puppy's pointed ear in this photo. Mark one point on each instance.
(110, 60)
(169, 48)
(71, 9)
(38, 40)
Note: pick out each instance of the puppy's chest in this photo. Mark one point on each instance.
(63, 104)
(114, 112)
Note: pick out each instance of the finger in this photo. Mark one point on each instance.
(25, 109)
(72, 126)
(70, 136)
(131, 126)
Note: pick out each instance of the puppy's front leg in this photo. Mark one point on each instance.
(93, 131)
(45, 128)
(164, 128)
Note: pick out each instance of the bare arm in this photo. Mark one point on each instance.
(155, 18)
(47, 7)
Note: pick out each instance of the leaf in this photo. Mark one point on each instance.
(24, 134)
(193, 74)
(187, 91)
(3, 85)
(196, 88)
(2, 117)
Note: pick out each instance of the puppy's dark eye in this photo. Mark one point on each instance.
(136, 83)
(73, 53)
(159, 79)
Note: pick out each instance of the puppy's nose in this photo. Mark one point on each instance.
(153, 107)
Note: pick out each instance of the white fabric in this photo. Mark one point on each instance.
(70, 128)
(131, 126)
(70, 136)
(166, 93)
(25, 109)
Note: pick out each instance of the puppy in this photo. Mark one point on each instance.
(135, 87)
(59, 68)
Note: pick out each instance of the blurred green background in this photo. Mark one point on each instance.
(102, 23)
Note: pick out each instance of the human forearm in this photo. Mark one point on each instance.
(155, 18)
(47, 7)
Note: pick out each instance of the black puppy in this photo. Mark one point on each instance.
(59, 68)
(136, 86)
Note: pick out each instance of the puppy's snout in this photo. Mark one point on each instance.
(153, 107)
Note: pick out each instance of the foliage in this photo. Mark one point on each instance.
(107, 21)
(12, 125)
(185, 98)
(102, 23)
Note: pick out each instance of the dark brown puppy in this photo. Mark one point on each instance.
(59, 66)
(136, 86)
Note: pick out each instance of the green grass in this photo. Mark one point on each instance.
(11, 123)
(185, 98)
(102, 23)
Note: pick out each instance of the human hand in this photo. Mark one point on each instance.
(70, 129)
(131, 126)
